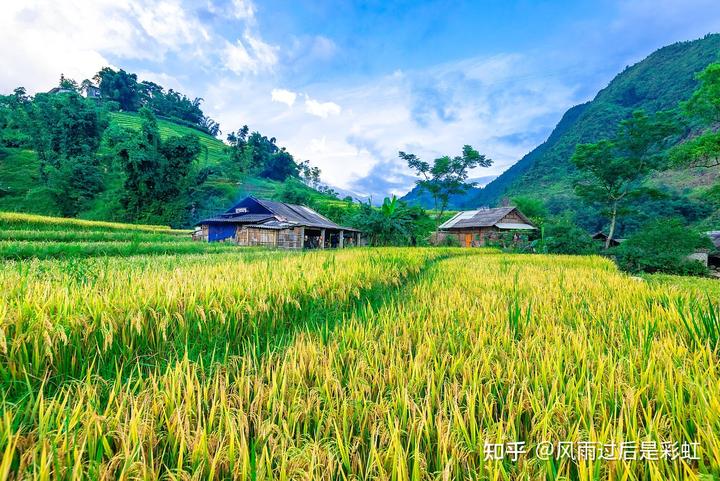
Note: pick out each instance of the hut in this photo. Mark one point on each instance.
(260, 222)
(473, 228)
(602, 237)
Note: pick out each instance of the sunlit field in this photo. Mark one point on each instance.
(357, 364)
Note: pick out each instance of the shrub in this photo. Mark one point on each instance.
(563, 236)
(663, 246)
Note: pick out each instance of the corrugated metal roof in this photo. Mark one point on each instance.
(514, 226)
(477, 218)
(274, 225)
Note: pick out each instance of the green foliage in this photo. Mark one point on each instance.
(662, 246)
(532, 208)
(449, 241)
(131, 95)
(447, 176)
(702, 149)
(158, 184)
(615, 169)
(564, 236)
(395, 223)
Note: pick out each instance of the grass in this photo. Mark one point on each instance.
(358, 364)
(213, 148)
(27, 236)
(13, 220)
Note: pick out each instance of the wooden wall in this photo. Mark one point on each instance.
(283, 239)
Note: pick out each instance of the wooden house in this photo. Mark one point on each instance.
(260, 222)
(473, 228)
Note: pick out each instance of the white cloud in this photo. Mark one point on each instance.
(249, 56)
(321, 109)
(265, 54)
(243, 9)
(283, 96)
(475, 101)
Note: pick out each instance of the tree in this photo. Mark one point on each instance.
(240, 152)
(447, 175)
(564, 236)
(65, 131)
(279, 166)
(534, 209)
(309, 174)
(663, 246)
(613, 170)
(703, 149)
(158, 181)
(394, 223)
(120, 86)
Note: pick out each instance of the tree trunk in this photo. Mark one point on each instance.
(612, 226)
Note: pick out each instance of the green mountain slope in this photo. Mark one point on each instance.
(21, 191)
(659, 82)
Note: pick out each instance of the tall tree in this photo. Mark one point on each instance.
(158, 178)
(613, 170)
(65, 131)
(120, 86)
(447, 175)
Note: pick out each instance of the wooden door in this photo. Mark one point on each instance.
(468, 240)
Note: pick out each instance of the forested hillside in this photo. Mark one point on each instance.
(659, 83)
(120, 149)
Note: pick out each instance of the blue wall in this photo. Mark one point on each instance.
(218, 232)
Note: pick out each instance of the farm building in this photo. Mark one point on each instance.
(259, 222)
(473, 228)
(602, 237)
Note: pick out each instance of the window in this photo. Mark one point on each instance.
(241, 210)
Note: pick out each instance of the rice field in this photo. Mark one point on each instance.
(27, 236)
(393, 363)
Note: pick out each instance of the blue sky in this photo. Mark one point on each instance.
(347, 84)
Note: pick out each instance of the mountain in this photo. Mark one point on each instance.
(659, 82)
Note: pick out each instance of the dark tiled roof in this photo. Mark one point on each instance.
(280, 213)
(477, 218)
(298, 214)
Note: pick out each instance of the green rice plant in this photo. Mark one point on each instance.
(702, 322)
(358, 364)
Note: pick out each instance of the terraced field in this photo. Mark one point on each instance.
(25, 236)
(403, 364)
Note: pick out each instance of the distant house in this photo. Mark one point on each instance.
(602, 237)
(260, 222)
(90, 91)
(60, 90)
(475, 227)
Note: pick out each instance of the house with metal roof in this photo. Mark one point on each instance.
(260, 222)
(476, 227)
